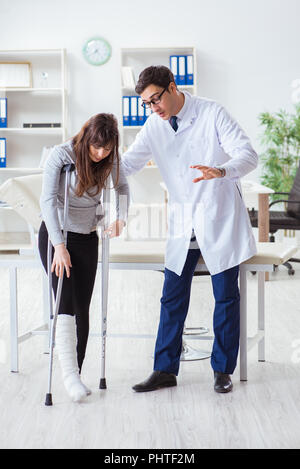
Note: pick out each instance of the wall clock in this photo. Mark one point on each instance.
(96, 51)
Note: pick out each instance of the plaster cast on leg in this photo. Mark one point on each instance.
(65, 342)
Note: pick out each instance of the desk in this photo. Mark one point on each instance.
(251, 187)
(145, 255)
(14, 262)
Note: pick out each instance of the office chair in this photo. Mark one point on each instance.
(289, 219)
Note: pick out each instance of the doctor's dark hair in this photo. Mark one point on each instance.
(158, 75)
(100, 130)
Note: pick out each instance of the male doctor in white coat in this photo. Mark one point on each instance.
(201, 153)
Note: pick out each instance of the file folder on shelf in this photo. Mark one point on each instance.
(134, 110)
(141, 112)
(174, 66)
(181, 70)
(126, 110)
(2, 152)
(3, 112)
(148, 112)
(189, 70)
(182, 67)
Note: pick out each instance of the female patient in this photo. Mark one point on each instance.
(94, 151)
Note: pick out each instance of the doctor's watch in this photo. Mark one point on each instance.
(222, 170)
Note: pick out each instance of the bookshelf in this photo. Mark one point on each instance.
(138, 58)
(45, 101)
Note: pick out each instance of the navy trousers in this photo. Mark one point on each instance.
(174, 307)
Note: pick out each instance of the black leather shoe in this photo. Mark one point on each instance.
(157, 380)
(222, 382)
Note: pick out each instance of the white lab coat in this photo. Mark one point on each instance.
(215, 209)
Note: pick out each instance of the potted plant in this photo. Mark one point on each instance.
(280, 159)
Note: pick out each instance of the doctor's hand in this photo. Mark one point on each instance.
(61, 260)
(115, 229)
(207, 173)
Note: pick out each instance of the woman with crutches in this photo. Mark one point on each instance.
(95, 156)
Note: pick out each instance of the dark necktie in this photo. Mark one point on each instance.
(173, 122)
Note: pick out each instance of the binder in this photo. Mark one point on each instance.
(126, 110)
(181, 70)
(189, 70)
(141, 112)
(133, 110)
(174, 67)
(2, 152)
(148, 112)
(3, 112)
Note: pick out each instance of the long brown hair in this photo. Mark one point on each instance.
(100, 130)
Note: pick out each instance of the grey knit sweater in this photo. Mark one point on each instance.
(84, 212)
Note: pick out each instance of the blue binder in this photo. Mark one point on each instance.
(174, 67)
(181, 70)
(133, 110)
(3, 112)
(189, 70)
(141, 112)
(126, 110)
(2, 152)
(148, 112)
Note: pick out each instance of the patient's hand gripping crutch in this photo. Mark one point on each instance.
(104, 284)
(53, 316)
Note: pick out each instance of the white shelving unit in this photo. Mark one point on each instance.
(44, 102)
(138, 59)
(33, 130)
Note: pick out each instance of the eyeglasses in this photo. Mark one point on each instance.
(155, 100)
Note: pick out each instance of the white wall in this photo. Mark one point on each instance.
(248, 50)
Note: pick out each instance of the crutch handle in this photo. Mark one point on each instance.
(68, 167)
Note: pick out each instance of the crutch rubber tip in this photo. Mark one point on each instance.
(102, 384)
(48, 400)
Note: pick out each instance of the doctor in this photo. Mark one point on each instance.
(201, 153)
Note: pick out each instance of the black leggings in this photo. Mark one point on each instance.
(78, 288)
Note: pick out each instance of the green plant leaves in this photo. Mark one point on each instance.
(281, 138)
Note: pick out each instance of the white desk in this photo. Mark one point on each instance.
(144, 255)
(251, 187)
